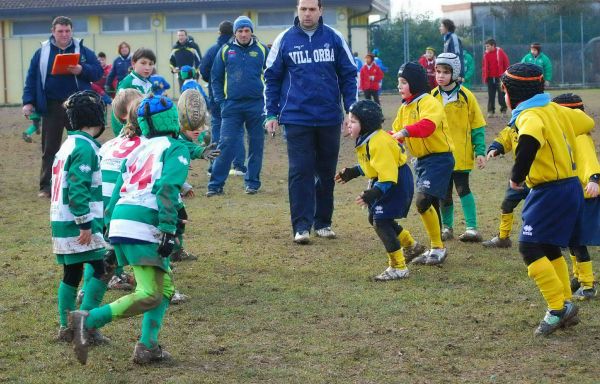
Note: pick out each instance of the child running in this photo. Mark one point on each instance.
(390, 192)
(588, 170)
(76, 210)
(421, 123)
(544, 160)
(142, 218)
(467, 129)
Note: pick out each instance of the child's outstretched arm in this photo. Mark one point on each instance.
(347, 174)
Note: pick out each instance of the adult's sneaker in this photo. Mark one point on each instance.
(447, 233)
(553, 320)
(498, 242)
(144, 355)
(392, 274)
(81, 342)
(237, 172)
(250, 191)
(325, 232)
(214, 192)
(302, 237)
(411, 253)
(585, 293)
(471, 235)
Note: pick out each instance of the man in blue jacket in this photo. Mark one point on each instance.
(237, 86)
(309, 69)
(225, 34)
(45, 93)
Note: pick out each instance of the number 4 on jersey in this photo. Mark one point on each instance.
(143, 176)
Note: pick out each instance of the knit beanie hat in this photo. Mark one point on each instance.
(187, 72)
(369, 114)
(85, 109)
(157, 116)
(569, 100)
(522, 81)
(242, 22)
(416, 77)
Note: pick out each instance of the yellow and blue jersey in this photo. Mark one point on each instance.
(425, 107)
(586, 160)
(379, 156)
(506, 141)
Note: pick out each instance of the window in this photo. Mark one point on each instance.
(330, 16)
(43, 26)
(275, 18)
(133, 23)
(80, 24)
(184, 21)
(214, 19)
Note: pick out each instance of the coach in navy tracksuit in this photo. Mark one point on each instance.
(237, 85)
(309, 69)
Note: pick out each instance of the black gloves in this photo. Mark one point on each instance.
(348, 174)
(211, 152)
(371, 195)
(167, 243)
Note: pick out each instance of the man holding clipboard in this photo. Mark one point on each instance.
(61, 67)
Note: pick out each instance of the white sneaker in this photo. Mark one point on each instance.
(235, 172)
(392, 274)
(436, 256)
(325, 232)
(179, 298)
(302, 237)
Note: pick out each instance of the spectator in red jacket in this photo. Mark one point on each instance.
(427, 61)
(370, 78)
(99, 85)
(495, 62)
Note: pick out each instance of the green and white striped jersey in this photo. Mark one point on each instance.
(76, 196)
(133, 80)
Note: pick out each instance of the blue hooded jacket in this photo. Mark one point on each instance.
(307, 76)
(208, 60)
(120, 69)
(38, 91)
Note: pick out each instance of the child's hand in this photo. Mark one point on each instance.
(190, 194)
(398, 136)
(85, 236)
(359, 200)
(515, 186)
(347, 174)
(480, 161)
(491, 154)
(338, 177)
(592, 189)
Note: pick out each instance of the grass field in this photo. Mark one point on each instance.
(265, 310)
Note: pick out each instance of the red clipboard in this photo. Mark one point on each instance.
(62, 61)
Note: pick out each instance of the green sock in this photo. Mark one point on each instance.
(88, 273)
(448, 215)
(152, 323)
(94, 293)
(99, 317)
(66, 302)
(469, 210)
(31, 130)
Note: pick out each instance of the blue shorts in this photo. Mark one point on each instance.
(395, 203)
(587, 230)
(433, 173)
(551, 212)
(514, 195)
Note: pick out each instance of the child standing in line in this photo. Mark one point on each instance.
(159, 83)
(143, 218)
(505, 142)
(188, 74)
(383, 161)
(467, 128)
(588, 170)
(76, 209)
(35, 119)
(143, 61)
(427, 61)
(421, 123)
(552, 210)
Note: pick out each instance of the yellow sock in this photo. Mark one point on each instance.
(586, 275)
(406, 239)
(550, 286)
(575, 267)
(431, 222)
(506, 223)
(562, 271)
(396, 259)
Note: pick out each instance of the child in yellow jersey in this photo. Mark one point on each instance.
(588, 171)
(467, 128)
(421, 123)
(504, 143)
(383, 161)
(545, 161)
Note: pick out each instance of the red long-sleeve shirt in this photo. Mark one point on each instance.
(365, 77)
(494, 64)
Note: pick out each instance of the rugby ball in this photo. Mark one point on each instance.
(191, 109)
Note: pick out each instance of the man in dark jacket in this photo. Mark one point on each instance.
(309, 70)
(45, 93)
(185, 52)
(225, 34)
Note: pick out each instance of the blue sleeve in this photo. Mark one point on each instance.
(111, 75)
(274, 78)
(217, 77)
(30, 89)
(92, 70)
(166, 84)
(346, 70)
(497, 146)
(383, 186)
(206, 63)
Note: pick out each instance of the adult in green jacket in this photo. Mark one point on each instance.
(537, 57)
(469, 68)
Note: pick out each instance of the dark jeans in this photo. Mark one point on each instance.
(312, 154)
(372, 94)
(239, 161)
(53, 124)
(493, 84)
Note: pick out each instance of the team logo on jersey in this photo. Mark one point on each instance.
(85, 168)
(298, 47)
(183, 160)
(253, 54)
(231, 53)
(378, 210)
(527, 230)
(413, 115)
(317, 55)
(424, 184)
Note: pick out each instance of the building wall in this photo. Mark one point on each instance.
(20, 49)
